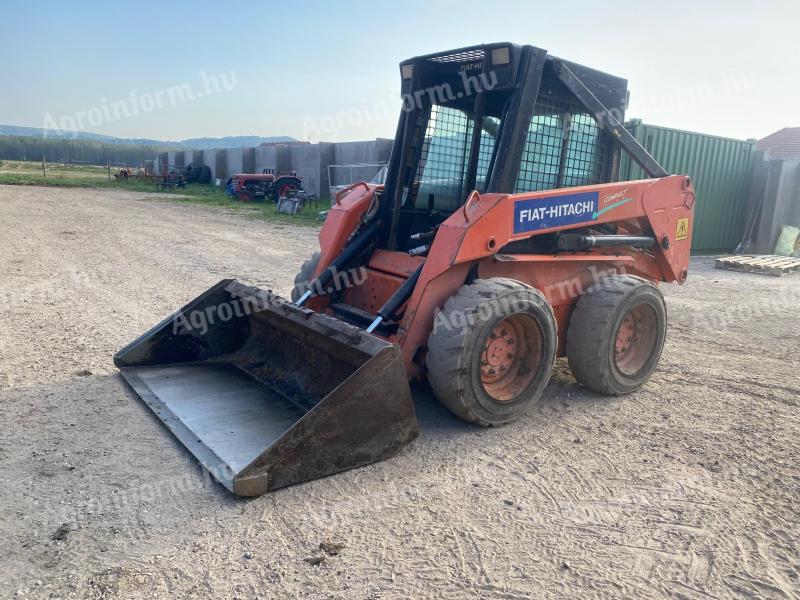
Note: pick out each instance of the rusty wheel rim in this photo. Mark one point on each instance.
(511, 357)
(635, 340)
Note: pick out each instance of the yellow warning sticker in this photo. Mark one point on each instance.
(683, 229)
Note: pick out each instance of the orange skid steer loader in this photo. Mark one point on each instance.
(500, 241)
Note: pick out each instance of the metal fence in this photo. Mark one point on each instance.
(721, 169)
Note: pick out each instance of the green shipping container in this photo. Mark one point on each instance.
(720, 168)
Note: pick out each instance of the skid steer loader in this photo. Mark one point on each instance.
(500, 240)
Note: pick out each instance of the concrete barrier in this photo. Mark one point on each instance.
(235, 158)
(311, 161)
(221, 171)
(192, 157)
(276, 157)
(359, 161)
(162, 163)
(375, 151)
(266, 157)
(776, 188)
(284, 159)
(210, 160)
(249, 160)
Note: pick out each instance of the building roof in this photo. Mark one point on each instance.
(782, 144)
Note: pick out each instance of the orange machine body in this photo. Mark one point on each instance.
(474, 236)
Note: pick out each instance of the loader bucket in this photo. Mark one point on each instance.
(266, 393)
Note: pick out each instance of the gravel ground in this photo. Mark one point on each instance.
(688, 488)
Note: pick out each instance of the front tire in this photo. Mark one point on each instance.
(616, 334)
(304, 276)
(491, 351)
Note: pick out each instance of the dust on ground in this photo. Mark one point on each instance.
(687, 488)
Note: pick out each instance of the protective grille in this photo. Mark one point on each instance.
(488, 136)
(463, 56)
(584, 163)
(565, 147)
(444, 157)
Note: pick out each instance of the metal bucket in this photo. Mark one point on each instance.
(267, 394)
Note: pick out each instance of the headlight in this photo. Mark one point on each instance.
(501, 56)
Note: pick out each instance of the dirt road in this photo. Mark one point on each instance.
(688, 488)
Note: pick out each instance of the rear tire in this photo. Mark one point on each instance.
(193, 173)
(304, 277)
(616, 334)
(491, 351)
(283, 186)
(204, 175)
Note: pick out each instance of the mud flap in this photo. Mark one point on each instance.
(267, 394)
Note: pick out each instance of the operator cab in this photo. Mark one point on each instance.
(493, 118)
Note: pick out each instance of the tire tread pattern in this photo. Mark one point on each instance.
(304, 276)
(587, 328)
(448, 374)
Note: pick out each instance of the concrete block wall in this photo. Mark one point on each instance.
(161, 162)
(284, 159)
(221, 171)
(192, 157)
(352, 153)
(235, 160)
(248, 161)
(275, 157)
(266, 157)
(311, 161)
(210, 160)
(777, 189)
(348, 153)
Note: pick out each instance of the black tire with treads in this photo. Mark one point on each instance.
(593, 328)
(193, 172)
(304, 276)
(293, 183)
(456, 344)
(204, 174)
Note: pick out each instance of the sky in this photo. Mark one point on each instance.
(328, 70)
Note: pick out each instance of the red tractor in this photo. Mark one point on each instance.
(249, 187)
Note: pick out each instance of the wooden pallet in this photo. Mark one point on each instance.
(764, 264)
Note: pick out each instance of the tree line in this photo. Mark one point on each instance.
(77, 151)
